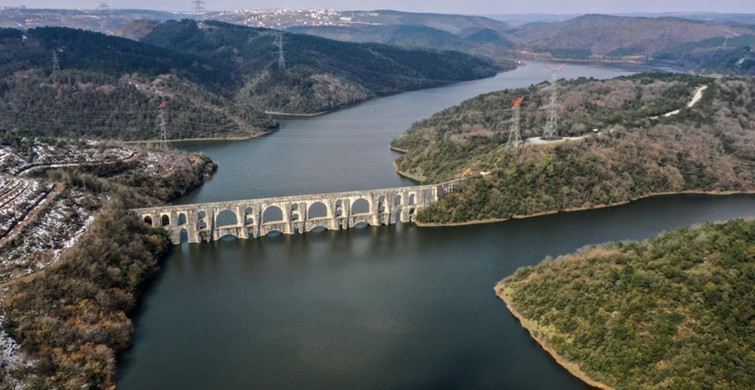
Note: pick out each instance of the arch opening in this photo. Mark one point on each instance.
(272, 214)
(182, 219)
(361, 206)
(226, 218)
(411, 199)
(164, 220)
(381, 204)
(228, 237)
(249, 216)
(361, 225)
(318, 229)
(183, 236)
(397, 200)
(317, 210)
(274, 233)
(148, 220)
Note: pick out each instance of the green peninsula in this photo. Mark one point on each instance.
(672, 312)
(626, 138)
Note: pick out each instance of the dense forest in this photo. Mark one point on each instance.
(672, 312)
(629, 149)
(320, 74)
(114, 88)
(72, 318)
(197, 80)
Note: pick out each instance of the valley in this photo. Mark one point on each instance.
(281, 103)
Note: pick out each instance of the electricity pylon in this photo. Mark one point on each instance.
(514, 144)
(551, 130)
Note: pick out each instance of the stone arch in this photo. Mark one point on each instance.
(317, 210)
(183, 236)
(360, 206)
(339, 208)
(398, 215)
(397, 200)
(249, 216)
(412, 199)
(361, 225)
(182, 219)
(272, 214)
(226, 218)
(165, 220)
(148, 220)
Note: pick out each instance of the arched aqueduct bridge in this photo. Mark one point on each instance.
(205, 222)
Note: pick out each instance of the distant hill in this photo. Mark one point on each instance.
(99, 20)
(453, 24)
(320, 74)
(601, 34)
(688, 44)
(475, 41)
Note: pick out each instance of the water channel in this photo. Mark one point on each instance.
(394, 307)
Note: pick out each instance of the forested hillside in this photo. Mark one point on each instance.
(73, 266)
(114, 88)
(637, 151)
(208, 80)
(673, 312)
(320, 74)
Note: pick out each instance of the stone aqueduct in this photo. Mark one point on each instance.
(205, 222)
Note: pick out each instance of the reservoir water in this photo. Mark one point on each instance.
(395, 307)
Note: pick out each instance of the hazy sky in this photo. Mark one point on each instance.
(441, 6)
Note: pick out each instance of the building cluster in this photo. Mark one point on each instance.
(284, 18)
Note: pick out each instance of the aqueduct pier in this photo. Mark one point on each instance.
(205, 222)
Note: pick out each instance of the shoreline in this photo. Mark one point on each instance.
(576, 209)
(294, 115)
(202, 139)
(407, 175)
(531, 327)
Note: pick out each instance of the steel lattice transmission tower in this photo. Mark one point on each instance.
(514, 144)
(281, 57)
(198, 6)
(55, 62)
(163, 125)
(551, 130)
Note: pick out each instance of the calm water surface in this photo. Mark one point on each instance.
(379, 308)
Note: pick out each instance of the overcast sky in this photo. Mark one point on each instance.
(440, 6)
